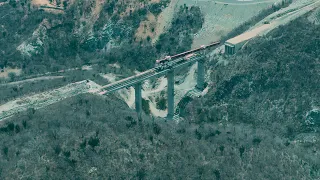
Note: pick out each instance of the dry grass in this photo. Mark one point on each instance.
(46, 3)
(146, 27)
(42, 3)
(4, 73)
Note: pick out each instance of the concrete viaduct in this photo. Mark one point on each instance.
(137, 80)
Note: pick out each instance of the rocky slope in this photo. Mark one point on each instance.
(38, 36)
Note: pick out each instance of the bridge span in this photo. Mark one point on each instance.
(182, 60)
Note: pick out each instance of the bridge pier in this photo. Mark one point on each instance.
(138, 98)
(170, 94)
(200, 76)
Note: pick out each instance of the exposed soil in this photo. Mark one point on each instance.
(44, 99)
(4, 73)
(147, 28)
(164, 19)
(32, 80)
(3, 3)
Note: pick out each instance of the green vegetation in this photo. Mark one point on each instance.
(279, 70)
(156, 8)
(161, 103)
(146, 106)
(182, 105)
(12, 91)
(260, 121)
(178, 38)
(187, 22)
(272, 84)
(113, 143)
(57, 43)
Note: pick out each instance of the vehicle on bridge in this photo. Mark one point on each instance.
(169, 61)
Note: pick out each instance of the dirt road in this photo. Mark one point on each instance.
(44, 99)
(32, 80)
(3, 3)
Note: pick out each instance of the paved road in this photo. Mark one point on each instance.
(243, 3)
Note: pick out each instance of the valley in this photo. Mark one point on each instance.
(258, 116)
(189, 79)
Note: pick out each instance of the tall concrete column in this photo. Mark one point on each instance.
(170, 94)
(138, 98)
(200, 76)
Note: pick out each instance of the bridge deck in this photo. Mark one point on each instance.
(151, 73)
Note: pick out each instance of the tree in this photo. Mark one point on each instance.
(146, 106)
(12, 76)
(162, 103)
(93, 142)
(13, 3)
(65, 4)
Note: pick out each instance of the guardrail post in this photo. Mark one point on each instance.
(170, 94)
(138, 98)
(200, 75)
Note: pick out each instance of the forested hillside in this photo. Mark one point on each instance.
(89, 32)
(277, 76)
(90, 137)
(272, 84)
(260, 121)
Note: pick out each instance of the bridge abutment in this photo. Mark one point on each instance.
(170, 94)
(200, 75)
(138, 97)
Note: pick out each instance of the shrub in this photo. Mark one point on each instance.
(151, 138)
(24, 123)
(221, 148)
(57, 149)
(31, 112)
(181, 131)
(3, 129)
(83, 144)
(217, 174)
(256, 141)
(13, 3)
(131, 123)
(12, 76)
(88, 113)
(67, 154)
(141, 174)
(17, 128)
(290, 131)
(5, 150)
(241, 150)
(212, 134)
(156, 129)
(10, 126)
(93, 142)
(146, 106)
(198, 134)
(218, 132)
(162, 103)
